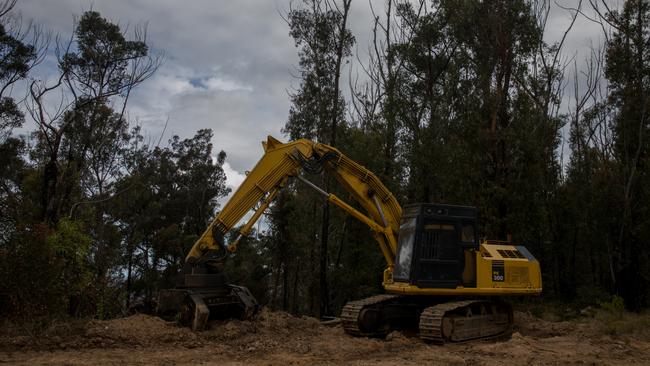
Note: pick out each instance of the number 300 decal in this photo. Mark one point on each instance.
(498, 272)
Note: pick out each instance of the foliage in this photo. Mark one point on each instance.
(16, 58)
(627, 324)
(46, 271)
(460, 105)
(100, 64)
(250, 266)
(315, 30)
(616, 306)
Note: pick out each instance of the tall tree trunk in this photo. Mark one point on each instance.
(324, 290)
(285, 286)
(50, 179)
(294, 302)
(276, 285)
(312, 290)
(324, 293)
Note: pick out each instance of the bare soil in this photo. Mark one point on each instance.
(276, 338)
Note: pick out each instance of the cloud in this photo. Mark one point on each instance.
(222, 84)
(233, 178)
(228, 64)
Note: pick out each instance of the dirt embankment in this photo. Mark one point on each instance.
(278, 338)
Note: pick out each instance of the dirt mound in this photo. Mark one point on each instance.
(266, 323)
(131, 332)
(530, 326)
(264, 331)
(280, 338)
(137, 330)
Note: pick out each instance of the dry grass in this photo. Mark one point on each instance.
(609, 317)
(624, 323)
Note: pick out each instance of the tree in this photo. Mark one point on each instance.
(98, 70)
(17, 57)
(78, 155)
(320, 30)
(169, 198)
(20, 50)
(628, 70)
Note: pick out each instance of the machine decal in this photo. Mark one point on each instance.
(498, 271)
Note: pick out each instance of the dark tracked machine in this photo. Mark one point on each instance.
(204, 296)
(440, 279)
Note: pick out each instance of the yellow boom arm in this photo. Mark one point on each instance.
(283, 161)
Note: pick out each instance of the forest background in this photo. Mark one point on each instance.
(457, 101)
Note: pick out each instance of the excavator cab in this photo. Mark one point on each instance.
(436, 246)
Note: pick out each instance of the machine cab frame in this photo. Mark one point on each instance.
(436, 246)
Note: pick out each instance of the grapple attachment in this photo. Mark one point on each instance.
(205, 296)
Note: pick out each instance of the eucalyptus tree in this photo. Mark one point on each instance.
(319, 29)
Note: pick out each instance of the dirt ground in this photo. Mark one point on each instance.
(276, 338)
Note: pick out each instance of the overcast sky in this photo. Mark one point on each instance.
(228, 64)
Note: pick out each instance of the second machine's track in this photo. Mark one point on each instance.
(352, 311)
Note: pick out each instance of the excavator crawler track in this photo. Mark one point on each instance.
(462, 321)
(350, 315)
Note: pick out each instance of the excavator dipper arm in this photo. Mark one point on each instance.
(283, 161)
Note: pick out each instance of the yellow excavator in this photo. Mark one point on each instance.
(439, 278)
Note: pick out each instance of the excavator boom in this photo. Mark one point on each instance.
(281, 162)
